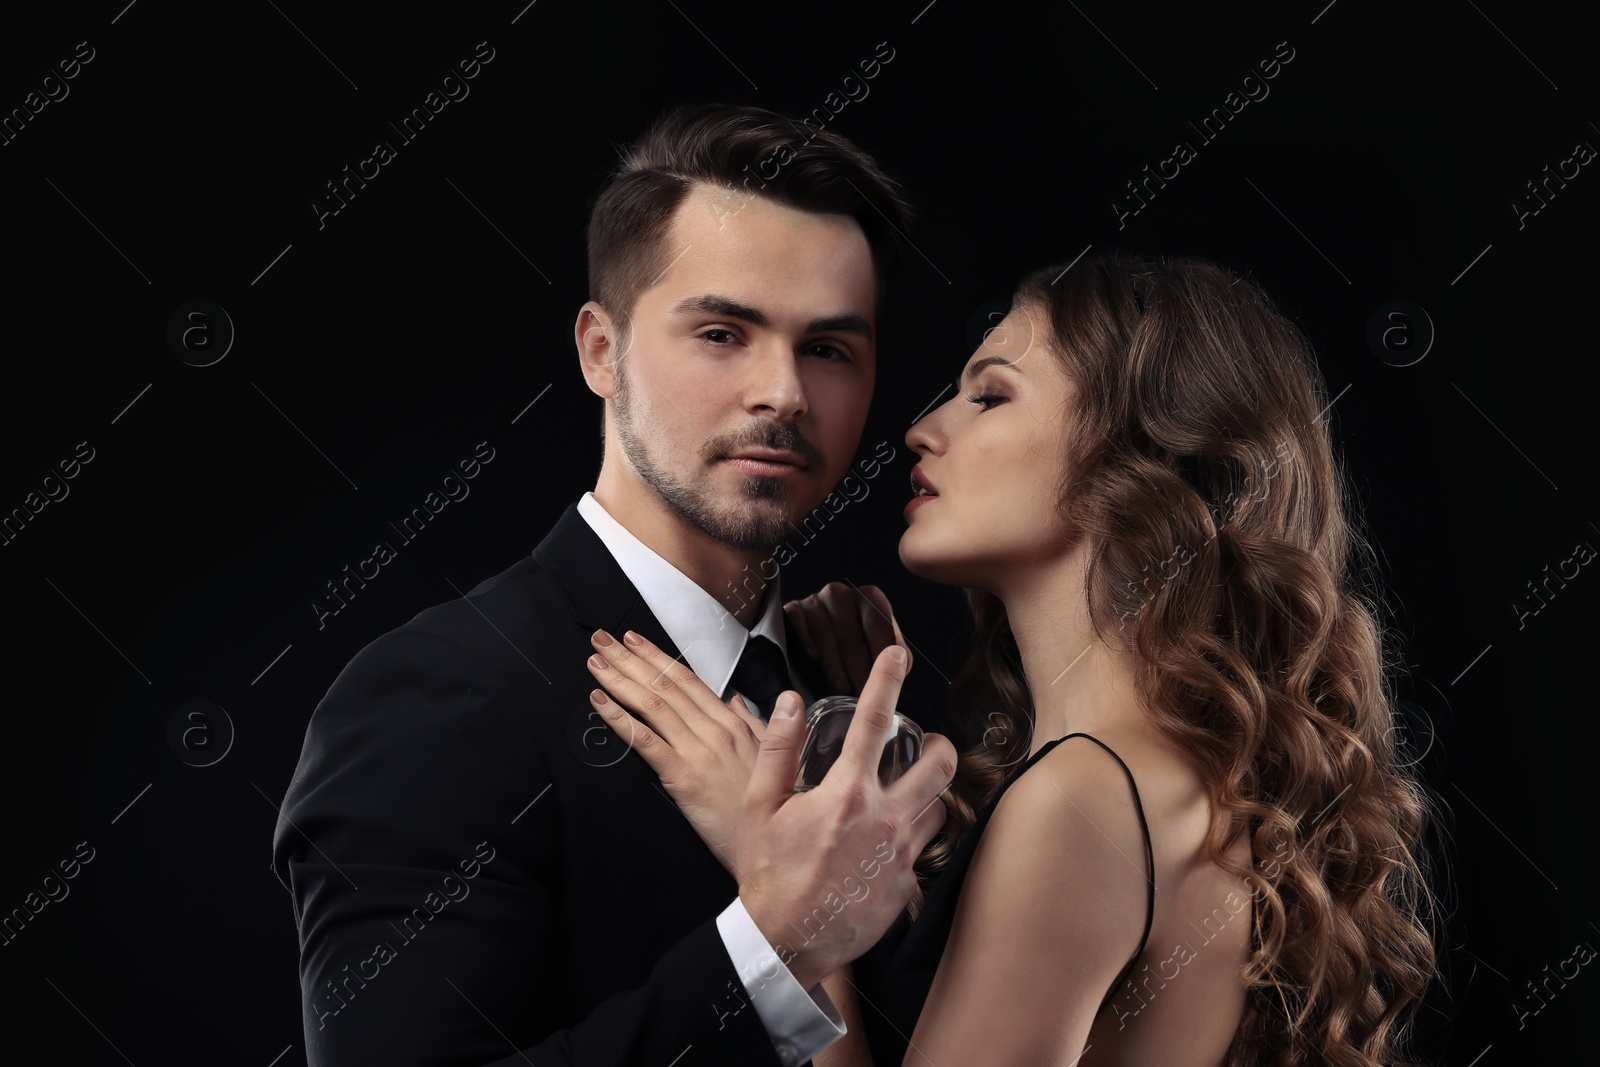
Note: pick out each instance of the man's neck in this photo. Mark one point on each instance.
(738, 579)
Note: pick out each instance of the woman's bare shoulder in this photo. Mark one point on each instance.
(1160, 783)
(1073, 803)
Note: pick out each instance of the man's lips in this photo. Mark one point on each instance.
(768, 464)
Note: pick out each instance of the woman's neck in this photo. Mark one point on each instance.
(1078, 682)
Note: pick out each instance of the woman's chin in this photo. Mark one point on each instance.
(910, 558)
(930, 564)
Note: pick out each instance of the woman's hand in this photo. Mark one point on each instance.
(843, 628)
(701, 748)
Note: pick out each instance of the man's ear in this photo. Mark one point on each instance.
(596, 336)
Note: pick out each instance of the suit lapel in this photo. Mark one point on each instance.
(601, 596)
(598, 593)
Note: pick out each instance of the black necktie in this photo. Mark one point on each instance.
(760, 675)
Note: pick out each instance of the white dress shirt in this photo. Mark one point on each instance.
(800, 1023)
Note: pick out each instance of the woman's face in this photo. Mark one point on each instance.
(993, 454)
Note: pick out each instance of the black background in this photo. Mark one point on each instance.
(373, 353)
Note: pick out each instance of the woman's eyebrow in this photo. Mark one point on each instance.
(989, 361)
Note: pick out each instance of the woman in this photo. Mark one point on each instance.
(1182, 836)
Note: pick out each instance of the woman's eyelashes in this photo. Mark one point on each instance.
(985, 401)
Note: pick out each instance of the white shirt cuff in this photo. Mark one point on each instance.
(800, 1023)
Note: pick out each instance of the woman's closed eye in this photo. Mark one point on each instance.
(986, 400)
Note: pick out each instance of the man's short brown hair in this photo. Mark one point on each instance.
(747, 149)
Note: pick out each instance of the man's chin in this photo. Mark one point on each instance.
(754, 488)
(761, 524)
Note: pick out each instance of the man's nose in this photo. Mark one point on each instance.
(774, 387)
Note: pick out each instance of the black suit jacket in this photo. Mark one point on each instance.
(482, 871)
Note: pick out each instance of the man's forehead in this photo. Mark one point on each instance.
(721, 201)
(711, 212)
(791, 269)
(718, 201)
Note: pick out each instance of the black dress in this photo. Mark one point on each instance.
(895, 976)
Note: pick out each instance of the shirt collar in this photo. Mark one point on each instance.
(709, 637)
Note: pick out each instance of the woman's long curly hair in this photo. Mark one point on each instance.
(1223, 555)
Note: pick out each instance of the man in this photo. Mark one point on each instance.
(482, 871)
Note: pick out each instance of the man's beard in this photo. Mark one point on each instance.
(759, 519)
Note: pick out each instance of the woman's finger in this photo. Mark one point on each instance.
(666, 680)
(662, 757)
(795, 611)
(826, 643)
(811, 623)
(848, 612)
(628, 683)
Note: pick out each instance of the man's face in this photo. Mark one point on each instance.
(758, 340)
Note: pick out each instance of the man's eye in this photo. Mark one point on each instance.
(832, 352)
(718, 337)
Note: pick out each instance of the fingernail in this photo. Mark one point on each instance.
(598, 662)
(598, 697)
(600, 637)
(897, 653)
(633, 639)
(788, 705)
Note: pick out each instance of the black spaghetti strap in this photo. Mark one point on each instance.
(1150, 860)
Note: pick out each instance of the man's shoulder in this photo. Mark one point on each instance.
(483, 665)
(498, 625)
(523, 596)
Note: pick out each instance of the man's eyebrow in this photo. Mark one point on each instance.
(711, 304)
(720, 305)
(849, 322)
(989, 361)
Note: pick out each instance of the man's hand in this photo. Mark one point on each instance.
(825, 872)
(843, 628)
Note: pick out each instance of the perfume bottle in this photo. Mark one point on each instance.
(828, 720)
